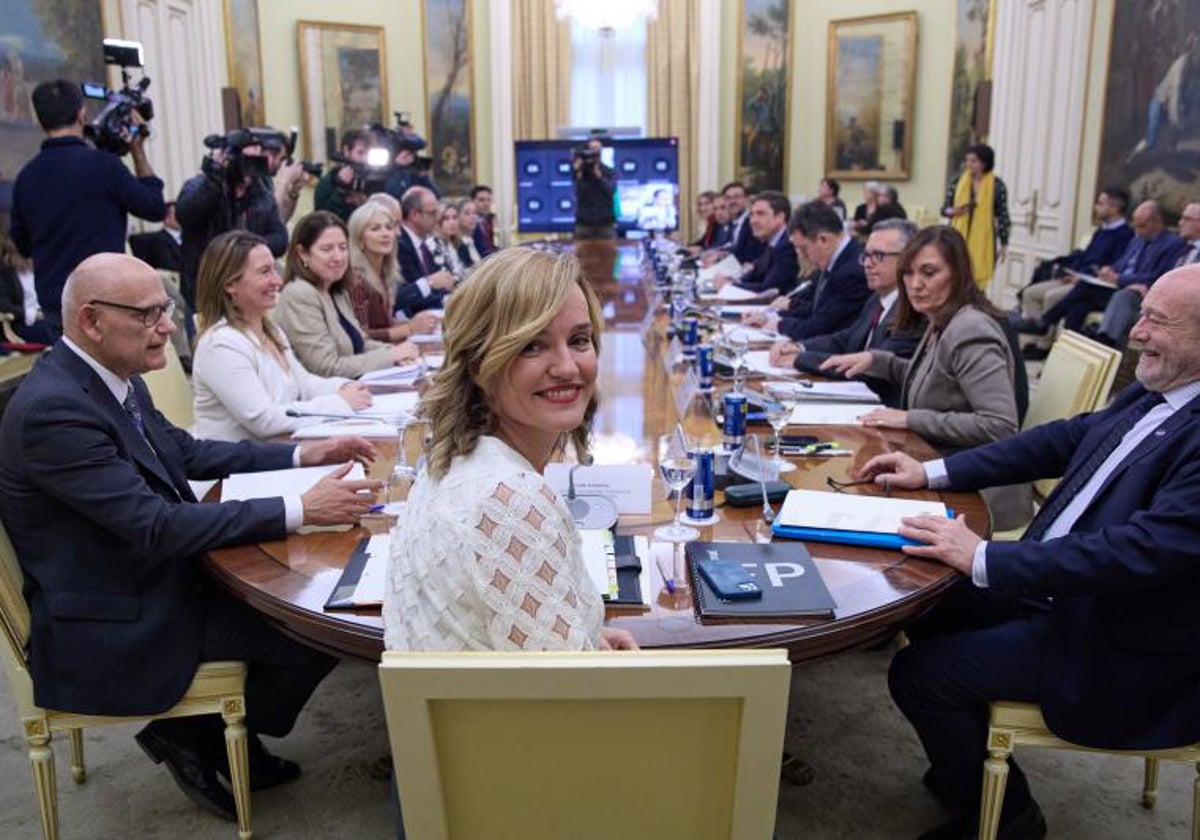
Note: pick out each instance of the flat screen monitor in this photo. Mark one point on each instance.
(647, 172)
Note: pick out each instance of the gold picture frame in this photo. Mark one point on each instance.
(764, 89)
(243, 57)
(343, 80)
(870, 87)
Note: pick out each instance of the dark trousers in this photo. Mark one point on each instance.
(281, 673)
(967, 651)
(1078, 303)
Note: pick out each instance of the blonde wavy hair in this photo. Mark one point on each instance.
(222, 264)
(360, 263)
(490, 319)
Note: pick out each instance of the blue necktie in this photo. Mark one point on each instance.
(1068, 489)
(135, 413)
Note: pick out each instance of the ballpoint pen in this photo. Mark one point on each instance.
(667, 579)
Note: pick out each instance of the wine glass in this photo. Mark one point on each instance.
(403, 474)
(675, 462)
(738, 344)
(778, 414)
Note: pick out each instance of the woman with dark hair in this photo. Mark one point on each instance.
(977, 207)
(245, 376)
(315, 309)
(829, 191)
(957, 390)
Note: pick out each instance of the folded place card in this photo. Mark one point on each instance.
(626, 485)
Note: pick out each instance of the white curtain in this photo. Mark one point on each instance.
(608, 76)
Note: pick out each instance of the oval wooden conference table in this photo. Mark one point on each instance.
(877, 592)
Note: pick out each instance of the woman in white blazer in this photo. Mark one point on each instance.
(245, 377)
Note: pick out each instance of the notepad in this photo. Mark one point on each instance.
(270, 484)
(759, 361)
(350, 427)
(364, 579)
(1090, 279)
(855, 392)
(394, 375)
(850, 518)
(828, 414)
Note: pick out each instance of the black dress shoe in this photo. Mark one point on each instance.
(266, 770)
(1033, 353)
(1028, 824)
(195, 777)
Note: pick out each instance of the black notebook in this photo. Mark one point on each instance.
(792, 587)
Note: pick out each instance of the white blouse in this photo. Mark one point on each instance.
(488, 558)
(243, 393)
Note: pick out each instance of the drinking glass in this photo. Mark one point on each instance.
(738, 344)
(675, 462)
(402, 476)
(778, 414)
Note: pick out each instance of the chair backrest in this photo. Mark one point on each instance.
(1071, 383)
(548, 744)
(1109, 357)
(171, 391)
(14, 626)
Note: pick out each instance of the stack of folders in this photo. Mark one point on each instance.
(850, 519)
(792, 588)
(811, 391)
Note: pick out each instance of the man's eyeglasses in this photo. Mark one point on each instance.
(876, 256)
(151, 315)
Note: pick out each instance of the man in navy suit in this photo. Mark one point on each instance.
(1095, 613)
(485, 230)
(872, 329)
(834, 297)
(94, 494)
(777, 267)
(426, 283)
(1151, 253)
(741, 243)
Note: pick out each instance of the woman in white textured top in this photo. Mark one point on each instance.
(486, 556)
(244, 374)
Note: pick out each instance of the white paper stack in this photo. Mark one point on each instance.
(855, 392)
(734, 293)
(394, 375)
(751, 334)
(728, 267)
(852, 512)
(350, 427)
(371, 583)
(759, 361)
(427, 338)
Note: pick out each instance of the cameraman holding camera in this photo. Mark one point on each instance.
(233, 191)
(336, 191)
(595, 186)
(71, 200)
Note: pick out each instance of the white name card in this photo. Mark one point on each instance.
(626, 485)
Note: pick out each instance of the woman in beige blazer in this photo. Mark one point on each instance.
(957, 390)
(315, 310)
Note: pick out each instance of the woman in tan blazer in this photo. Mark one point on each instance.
(315, 310)
(957, 390)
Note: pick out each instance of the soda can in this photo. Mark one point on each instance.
(691, 336)
(734, 426)
(699, 492)
(704, 366)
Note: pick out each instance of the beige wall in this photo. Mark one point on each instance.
(806, 139)
(1093, 117)
(404, 43)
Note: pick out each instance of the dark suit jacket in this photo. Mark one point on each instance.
(845, 291)
(409, 297)
(777, 268)
(1157, 257)
(158, 250)
(1119, 667)
(109, 537)
(853, 338)
(745, 247)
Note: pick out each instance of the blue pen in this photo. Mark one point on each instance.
(667, 579)
(376, 508)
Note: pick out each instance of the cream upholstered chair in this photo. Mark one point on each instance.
(218, 688)
(1076, 378)
(548, 744)
(171, 391)
(1021, 724)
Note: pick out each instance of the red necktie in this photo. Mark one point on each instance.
(875, 319)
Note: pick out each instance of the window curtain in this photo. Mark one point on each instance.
(541, 58)
(608, 76)
(673, 71)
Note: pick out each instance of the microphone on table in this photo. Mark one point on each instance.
(589, 512)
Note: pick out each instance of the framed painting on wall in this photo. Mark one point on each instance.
(764, 91)
(1150, 136)
(243, 56)
(871, 82)
(448, 96)
(41, 43)
(343, 81)
(971, 81)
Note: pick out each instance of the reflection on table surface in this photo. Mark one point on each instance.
(876, 591)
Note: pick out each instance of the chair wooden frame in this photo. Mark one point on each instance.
(656, 724)
(218, 688)
(1021, 724)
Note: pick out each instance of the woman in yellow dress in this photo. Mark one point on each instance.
(977, 206)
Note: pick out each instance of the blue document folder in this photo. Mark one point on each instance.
(869, 539)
